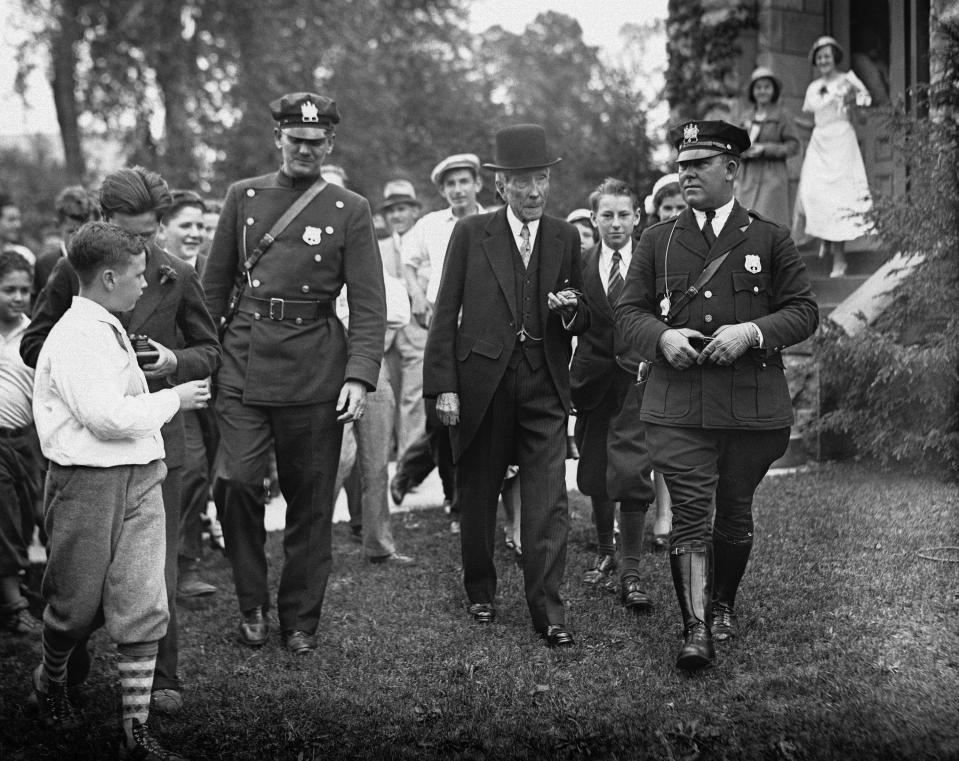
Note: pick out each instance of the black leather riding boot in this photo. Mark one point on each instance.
(730, 557)
(690, 564)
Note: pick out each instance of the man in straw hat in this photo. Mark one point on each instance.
(497, 361)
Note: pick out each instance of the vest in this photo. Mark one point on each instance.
(526, 288)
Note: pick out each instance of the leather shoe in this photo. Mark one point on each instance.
(254, 628)
(697, 651)
(724, 622)
(603, 566)
(557, 636)
(634, 596)
(399, 486)
(482, 612)
(300, 643)
(191, 585)
(393, 558)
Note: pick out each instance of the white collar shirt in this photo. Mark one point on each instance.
(16, 380)
(424, 247)
(606, 262)
(719, 221)
(91, 404)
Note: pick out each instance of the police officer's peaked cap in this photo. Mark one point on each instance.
(700, 140)
(305, 115)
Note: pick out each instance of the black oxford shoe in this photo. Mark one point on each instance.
(634, 597)
(300, 643)
(482, 612)
(557, 636)
(724, 622)
(254, 628)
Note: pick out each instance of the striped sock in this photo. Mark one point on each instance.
(56, 653)
(136, 681)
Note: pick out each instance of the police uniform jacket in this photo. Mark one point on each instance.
(270, 356)
(762, 280)
(475, 322)
(600, 352)
(171, 311)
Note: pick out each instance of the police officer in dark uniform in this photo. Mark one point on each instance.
(290, 372)
(716, 405)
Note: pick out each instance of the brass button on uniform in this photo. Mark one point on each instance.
(256, 315)
(317, 257)
(708, 318)
(305, 289)
(708, 294)
(298, 320)
(250, 192)
(249, 220)
(339, 204)
(256, 283)
(329, 230)
(755, 289)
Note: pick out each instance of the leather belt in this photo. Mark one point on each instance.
(13, 433)
(286, 309)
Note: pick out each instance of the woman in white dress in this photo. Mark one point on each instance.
(833, 190)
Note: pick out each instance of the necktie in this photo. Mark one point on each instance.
(526, 250)
(708, 232)
(615, 287)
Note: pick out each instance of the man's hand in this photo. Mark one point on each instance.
(564, 302)
(194, 395)
(352, 402)
(165, 365)
(729, 343)
(421, 309)
(448, 408)
(674, 344)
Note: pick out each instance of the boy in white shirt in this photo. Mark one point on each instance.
(100, 428)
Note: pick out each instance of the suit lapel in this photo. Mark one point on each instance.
(593, 282)
(733, 233)
(154, 293)
(688, 235)
(551, 254)
(499, 252)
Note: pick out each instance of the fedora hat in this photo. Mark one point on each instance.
(522, 146)
(397, 192)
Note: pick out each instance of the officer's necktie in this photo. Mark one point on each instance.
(526, 250)
(708, 233)
(615, 287)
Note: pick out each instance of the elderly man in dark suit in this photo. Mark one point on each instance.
(291, 373)
(712, 297)
(171, 313)
(497, 361)
(614, 465)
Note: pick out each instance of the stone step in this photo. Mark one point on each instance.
(830, 291)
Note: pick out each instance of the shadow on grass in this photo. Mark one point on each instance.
(848, 650)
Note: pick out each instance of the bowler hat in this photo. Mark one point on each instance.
(305, 115)
(398, 191)
(522, 146)
(821, 43)
(701, 139)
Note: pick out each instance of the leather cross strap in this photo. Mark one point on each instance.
(282, 223)
(690, 293)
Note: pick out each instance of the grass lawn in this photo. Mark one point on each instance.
(849, 650)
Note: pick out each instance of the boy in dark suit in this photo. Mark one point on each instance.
(601, 381)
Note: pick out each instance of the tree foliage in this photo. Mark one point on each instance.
(183, 86)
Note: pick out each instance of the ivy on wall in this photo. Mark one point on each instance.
(704, 51)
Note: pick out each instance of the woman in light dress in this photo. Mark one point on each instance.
(763, 181)
(833, 190)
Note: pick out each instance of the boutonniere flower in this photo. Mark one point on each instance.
(167, 274)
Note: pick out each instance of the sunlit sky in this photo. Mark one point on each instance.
(601, 21)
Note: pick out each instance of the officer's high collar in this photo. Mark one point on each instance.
(297, 183)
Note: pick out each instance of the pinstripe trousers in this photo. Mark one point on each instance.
(524, 425)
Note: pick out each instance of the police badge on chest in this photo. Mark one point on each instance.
(312, 235)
